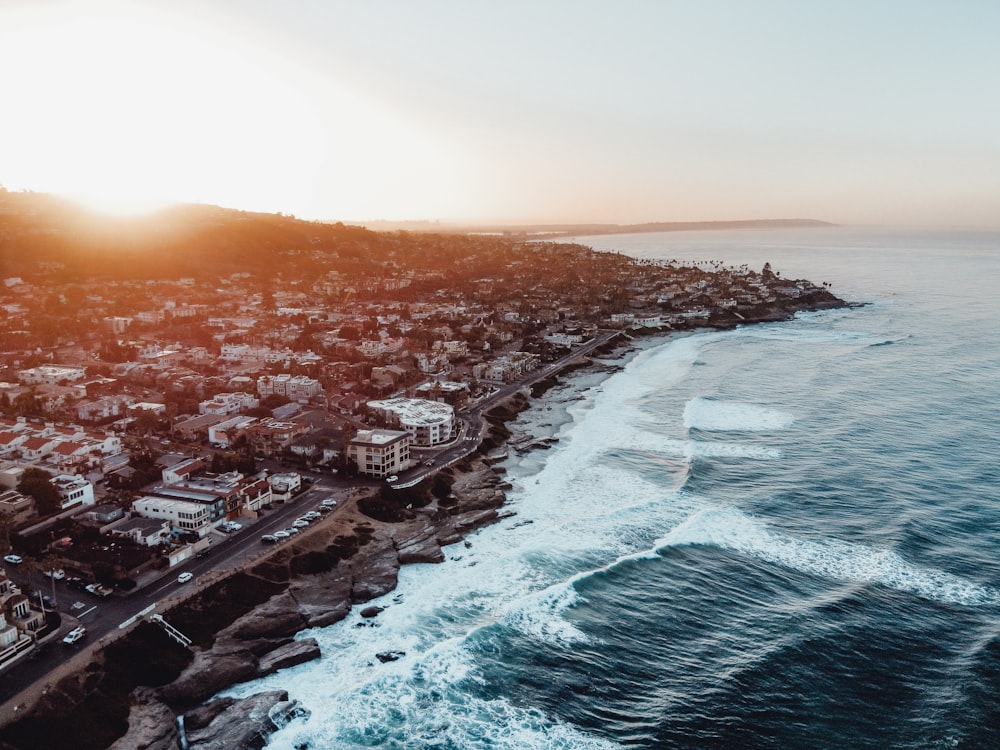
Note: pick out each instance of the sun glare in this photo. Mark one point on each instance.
(126, 111)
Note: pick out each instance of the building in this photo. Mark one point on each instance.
(51, 375)
(380, 453)
(143, 531)
(283, 486)
(183, 515)
(73, 490)
(506, 369)
(16, 507)
(228, 403)
(294, 387)
(224, 434)
(14, 609)
(428, 422)
(269, 437)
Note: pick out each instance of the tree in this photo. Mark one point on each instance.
(38, 484)
(50, 564)
(6, 524)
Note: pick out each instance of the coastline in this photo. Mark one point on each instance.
(343, 562)
(245, 624)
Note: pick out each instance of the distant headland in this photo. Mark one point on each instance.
(574, 230)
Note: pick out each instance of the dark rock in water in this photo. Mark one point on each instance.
(370, 611)
(387, 656)
(244, 723)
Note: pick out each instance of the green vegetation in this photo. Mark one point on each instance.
(37, 483)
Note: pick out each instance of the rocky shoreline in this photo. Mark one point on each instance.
(245, 624)
(352, 557)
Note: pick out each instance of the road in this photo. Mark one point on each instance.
(473, 430)
(103, 616)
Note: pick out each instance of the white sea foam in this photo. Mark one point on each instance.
(706, 449)
(731, 529)
(720, 415)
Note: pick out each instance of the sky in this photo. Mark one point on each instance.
(882, 112)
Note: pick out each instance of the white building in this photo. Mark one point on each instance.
(224, 434)
(283, 486)
(185, 515)
(380, 453)
(428, 422)
(228, 403)
(50, 375)
(73, 490)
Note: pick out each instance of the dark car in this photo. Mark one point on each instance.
(77, 583)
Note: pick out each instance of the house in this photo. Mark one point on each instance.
(50, 375)
(15, 638)
(182, 470)
(73, 490)
(224, 434)
(16, 507)
(228, 403)
(184, 515)
(144, 531)
(283, 486)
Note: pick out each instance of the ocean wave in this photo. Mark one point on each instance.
(426, 703)
(710, 414)
(729, 528)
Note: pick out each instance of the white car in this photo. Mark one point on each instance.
(13, 559)
(185, 577)
(300, 523)
(74, 635)
(57, 574)
(393, 478)
(329, 502)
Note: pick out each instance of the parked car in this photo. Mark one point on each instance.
(57, 574)
(13, 559)
(325, 509)
(76, 583)
(300, 523)
(328, 502)
(75, 635)
(98, 590)
(269, 539)
(185, 577)
(393, 478)
(291, 531)
(279, 535)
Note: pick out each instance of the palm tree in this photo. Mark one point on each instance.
(50, 564)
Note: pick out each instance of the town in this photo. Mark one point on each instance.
(163, 384)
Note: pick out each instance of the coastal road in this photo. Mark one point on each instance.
(473, 431)
(104, 616)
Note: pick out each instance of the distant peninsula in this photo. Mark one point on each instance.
(580, 230)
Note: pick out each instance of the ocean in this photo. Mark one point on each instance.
(780, 536)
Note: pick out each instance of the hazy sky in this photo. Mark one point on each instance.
(884, 112)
